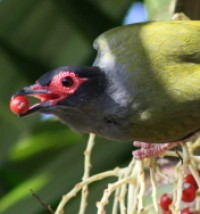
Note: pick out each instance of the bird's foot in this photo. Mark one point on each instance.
(148, 150)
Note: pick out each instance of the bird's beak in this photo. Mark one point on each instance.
(46, 97)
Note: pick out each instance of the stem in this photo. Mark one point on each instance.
(153, 183)
(124, 188)
(107, 192)
(80, 185)
(180, 170)
(141, 180)
(116, 200)
(132, 191)
(178, 190)
(87, 168)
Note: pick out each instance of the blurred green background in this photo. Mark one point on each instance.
(44, 155)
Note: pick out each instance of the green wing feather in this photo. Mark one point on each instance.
(160, 62)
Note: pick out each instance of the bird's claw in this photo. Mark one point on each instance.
(148, 150)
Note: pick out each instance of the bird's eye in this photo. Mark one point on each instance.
(67, 81)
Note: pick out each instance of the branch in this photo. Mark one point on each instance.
(87, 168)
(42, 202)
(80, 185)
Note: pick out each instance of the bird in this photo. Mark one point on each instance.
(144, 86)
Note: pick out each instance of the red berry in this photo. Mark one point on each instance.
(190, 179)
(165, 201)
(19, 105)
(188, 193)
(187, 210)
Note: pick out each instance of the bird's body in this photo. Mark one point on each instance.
(144, 84)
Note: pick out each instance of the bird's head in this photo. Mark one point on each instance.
(68, 86)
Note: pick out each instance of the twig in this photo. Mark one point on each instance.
(42, 202)
(116, 199)
(119, 196)
(178, 189)
(133, 176)
(124, 188)
(172, 153)
(107, 192)
(153, 183)
(141, 180)
(132, 195)
(181, 169)
(135, 201)
(87, 168)
(80, 185)
(195, 145)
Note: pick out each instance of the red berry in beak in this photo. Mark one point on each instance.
(19, 105)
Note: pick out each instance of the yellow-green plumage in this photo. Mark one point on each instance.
(159, 62)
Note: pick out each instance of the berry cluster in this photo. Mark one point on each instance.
(189, 190)
(19, 105)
